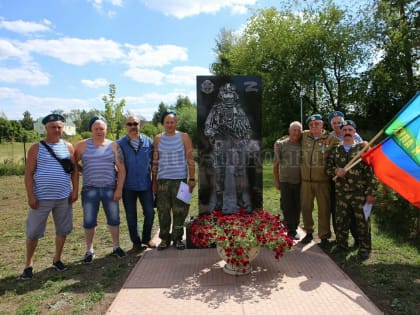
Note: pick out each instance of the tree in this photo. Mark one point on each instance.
(394, 78)
(183, 102)
(187, 121)
(27, 121)
(318, 52)
(114, 113)
(157, 115)
(83, 123)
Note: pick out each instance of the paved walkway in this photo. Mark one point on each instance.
(304, 281)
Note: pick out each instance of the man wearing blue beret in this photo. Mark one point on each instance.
(354, 188)
(316, 146)
(336, 118)
(50, 189)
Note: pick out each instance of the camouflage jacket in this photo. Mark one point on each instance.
(314, 155)
(359, 179)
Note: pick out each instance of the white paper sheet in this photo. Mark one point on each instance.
(367, 208)
(184, 193)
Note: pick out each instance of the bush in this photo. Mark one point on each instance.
(395, 215)
(9, 167)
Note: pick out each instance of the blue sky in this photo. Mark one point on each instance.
(63, 54)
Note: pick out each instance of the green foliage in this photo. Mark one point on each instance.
(151, 130)
(10, 167)
(11, 130)
(187, 121)
(324, 59)
(85, 134)
(78, 137)
(394, 79)
(27, 121)
(395, 215)
(158, 114)
(31, 136)
(114, 114)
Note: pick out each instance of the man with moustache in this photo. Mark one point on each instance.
(354, 188)
(138, 154)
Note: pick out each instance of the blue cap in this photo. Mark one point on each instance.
(313, 117)
(333, 114)
(166, 113)
(95, 118)
(348, 122)
(52, 117)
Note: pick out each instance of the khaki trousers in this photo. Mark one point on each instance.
(320, 191)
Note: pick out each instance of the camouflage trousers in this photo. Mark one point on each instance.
(348, 205)
(168, 206)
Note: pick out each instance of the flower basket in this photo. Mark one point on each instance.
(240, 232)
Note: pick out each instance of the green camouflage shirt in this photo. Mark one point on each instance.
(359, 179)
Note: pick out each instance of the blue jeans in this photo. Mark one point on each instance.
(129, 198)
(91, 197)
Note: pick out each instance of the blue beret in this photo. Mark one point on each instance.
(166, 113)
(95, 118)
(313, 117)
(348, 122)
(52, 117)
(334, 114)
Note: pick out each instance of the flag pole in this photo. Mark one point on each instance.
(349, 165)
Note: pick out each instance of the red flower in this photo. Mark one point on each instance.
(237, 233)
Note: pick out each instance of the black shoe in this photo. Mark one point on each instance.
(163, 245)
(339, 250)
(324, 243)
(118, 252)
(138, 247)
(293, 235)
(179, 245)
(27, 274)
(59, 265)
(307, 239)
(363, 254)
(88, 258)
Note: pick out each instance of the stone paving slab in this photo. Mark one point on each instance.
(304, 281)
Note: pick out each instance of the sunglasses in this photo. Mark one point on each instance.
(130, 124)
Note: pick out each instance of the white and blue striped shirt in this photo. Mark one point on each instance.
(172, 160)
(99, 165)
(50, 179)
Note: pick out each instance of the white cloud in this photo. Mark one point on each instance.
(25, 75)
(178, 75)
(9, 50)
(147, 104)
(24, 27)
(185, 75)
(97, 83)
(76, 51)
(184, 8)
(100, 5)
(146, 55)
(17, 103)
(145, 75)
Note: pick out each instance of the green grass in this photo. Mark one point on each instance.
(13, 151)
(391, 277)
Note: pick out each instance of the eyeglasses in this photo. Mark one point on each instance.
(130, 124)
